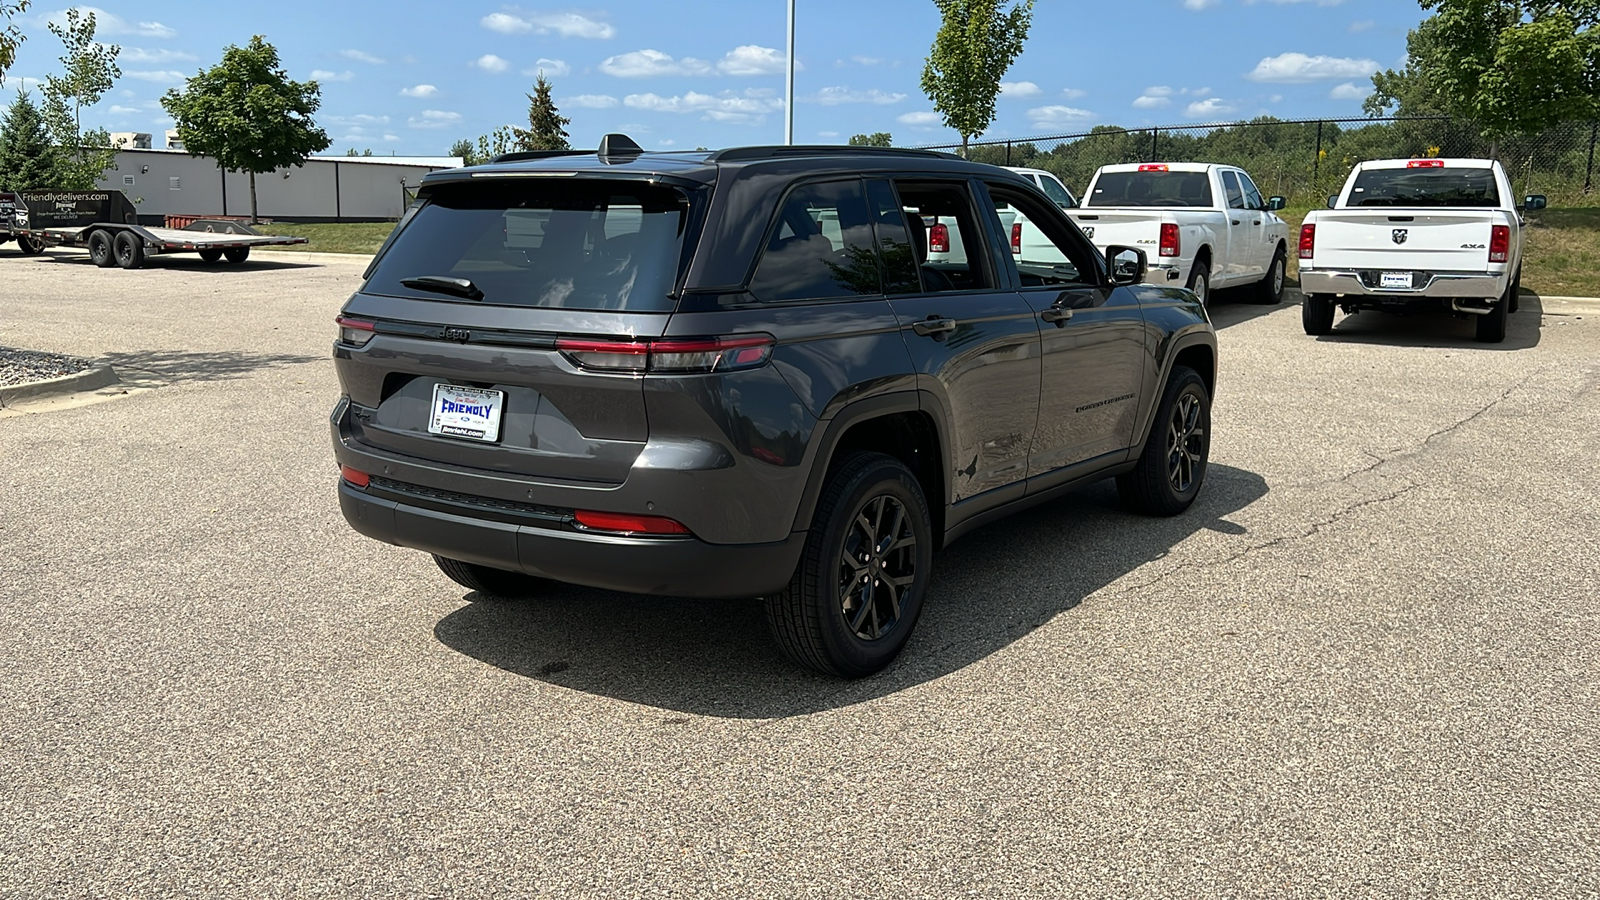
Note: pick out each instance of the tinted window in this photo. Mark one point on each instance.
(894, 240)
(950, 246)
(822, 246)
(1230, 185)
(1053, 189)
(1425, 187)
(1252, 197)
(1052, 254)
(573, 245)
(1150, 189)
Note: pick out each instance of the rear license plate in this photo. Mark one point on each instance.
(464, 412)
(1395, 280)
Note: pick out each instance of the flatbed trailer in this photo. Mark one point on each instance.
(106, 224)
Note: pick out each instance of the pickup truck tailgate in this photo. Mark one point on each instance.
(1125, 228)
(1442, 241)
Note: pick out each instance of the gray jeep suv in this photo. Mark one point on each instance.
(735, 374)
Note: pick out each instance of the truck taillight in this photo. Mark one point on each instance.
(1308, 240)
(1500, 243)
(355, 332)
(939, 239)
(1425, 164)
(1170, 244)
(1155, 167)
(674, 356)
(1016, 237)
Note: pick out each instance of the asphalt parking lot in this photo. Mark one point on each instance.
(1364, 664)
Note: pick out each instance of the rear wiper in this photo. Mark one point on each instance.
(439, 284)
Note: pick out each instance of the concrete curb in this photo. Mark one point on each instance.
(91, 379)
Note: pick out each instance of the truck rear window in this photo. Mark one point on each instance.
(1150, 189)
(1425, 187)
(541, 242)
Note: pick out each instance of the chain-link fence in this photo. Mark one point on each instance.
(1306, 160)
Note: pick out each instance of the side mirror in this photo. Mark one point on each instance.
(1276, 203)
(1534, 202)
(1333, 201)
(1127, 265)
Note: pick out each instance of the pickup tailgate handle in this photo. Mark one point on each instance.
(934, 325)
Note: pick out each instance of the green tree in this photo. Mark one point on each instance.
(10, 34)
(544, 131)
(875, 139)
(467, 150)
(976, 44)
(89, 70)
(27, 158)
(495, 143)
(247, 114)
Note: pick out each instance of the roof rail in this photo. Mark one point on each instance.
(739, 154)
(536, 154)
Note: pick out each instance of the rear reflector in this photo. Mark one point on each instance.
(1308, 240)
(1425, 164)
(1155, 167)
(355, 331)
(939, 239)
(1170, 244)
(357, 479)
(627, 523)
(670, 355)
(1016, 237)
(1500, 243)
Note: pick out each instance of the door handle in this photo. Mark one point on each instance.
(1058, 315)
(1234, 221)
(934, 325)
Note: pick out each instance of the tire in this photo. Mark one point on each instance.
(1172, 468)
(1492, 327)
(1269, 290)
(872, 520)
(489, 580)
(1316, 314)
(100, 250)
(1516, 291)
(211, 255)
(237, 255)
(1200, 281)
(27, 246)
(129, 250)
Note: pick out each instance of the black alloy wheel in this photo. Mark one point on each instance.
(100, 250)
(877, 567)
(1186, 442)
(1172, 467)
(129, 250)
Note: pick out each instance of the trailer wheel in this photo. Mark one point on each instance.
(101, 253)
(211, 255)
(237, 255)
(27, 246)
(130, 250)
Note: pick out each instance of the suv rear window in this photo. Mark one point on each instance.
(1425, 187)
(571, 245)
(1150, 189)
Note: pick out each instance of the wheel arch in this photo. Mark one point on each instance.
(1197, 351)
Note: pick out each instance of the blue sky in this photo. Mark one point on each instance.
(409, 77)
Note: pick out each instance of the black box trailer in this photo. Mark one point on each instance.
(106, 224)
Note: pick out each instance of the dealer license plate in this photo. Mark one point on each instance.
(1395, 280)
(464, 412)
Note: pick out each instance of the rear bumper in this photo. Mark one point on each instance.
(1425, 285)
(671, 566)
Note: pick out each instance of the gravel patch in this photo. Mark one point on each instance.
(24, 366)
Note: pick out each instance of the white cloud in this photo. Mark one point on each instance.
(358, 121)
(652, 63)
(1020, 89)
(325, 75)
(154, 57)
(1073, 93)
(434, 118)
(924, 117)
(491, 63)
(563, 24)
(1349, 91)
(125, 110)
(421, 90)
(834, 96)
(1057, 116)
(589, 101)
(112, 25)
(1297, 68)
(1154, 97)
(753, 60)
(159, 76)
(1209, 108)
(362, 56)
(554, 68)
(725, 107)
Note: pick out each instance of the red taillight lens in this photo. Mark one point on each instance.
(1016, 237)
(357, 479)
(627, 523)
(939, 239)
(670, 355)
(1308, 240)
(1425, 164)
(1170, 245)
(1500, 243)
(355, 332)
(1155, 167)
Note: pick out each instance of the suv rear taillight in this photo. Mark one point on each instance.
(355, 477)
(1500, 243)
(628, 523)
(1170, 245)
(355, 332)
(939, 239)
(676, 356)
(1308, 240)
(1016, 237)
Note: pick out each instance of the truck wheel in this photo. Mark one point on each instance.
(1316, 314)
(211, 255)
(1492, 327)
(129, 250)
(1173, 465)
(1200, 281)
(1269, 290)
(27, 246)
(859, 587)
(489, 580)
(1516, 291)
(100, 251)
(237, 255)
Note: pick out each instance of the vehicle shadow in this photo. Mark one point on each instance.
(715, 658)
(1438, 329)
(151, 368)
(187, 262)
(1235, 306)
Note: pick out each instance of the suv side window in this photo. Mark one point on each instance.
(951, 247)
(1062, 258)
(900, 275)
(1252, 197)
(1230, 185)
(821, 247)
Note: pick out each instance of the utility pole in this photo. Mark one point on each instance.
(788, 90)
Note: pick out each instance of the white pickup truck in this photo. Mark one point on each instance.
(1202, 225)
(1409, 234)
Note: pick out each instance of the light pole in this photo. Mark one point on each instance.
(788, 89)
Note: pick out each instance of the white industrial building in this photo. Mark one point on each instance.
(327, 188)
